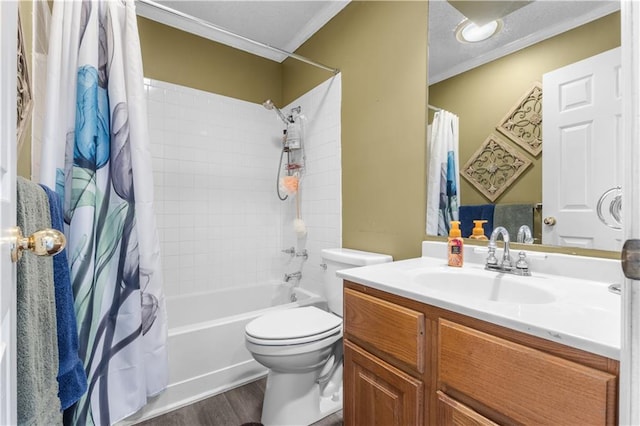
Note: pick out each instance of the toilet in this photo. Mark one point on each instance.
(302, 348)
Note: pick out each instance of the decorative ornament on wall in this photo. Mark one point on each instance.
(494, 167)
(523, 123)
(24, 96)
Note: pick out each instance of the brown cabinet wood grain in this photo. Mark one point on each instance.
(387, 327)
(524, 384)
(380, 394)
(430, 366)
(453, 413)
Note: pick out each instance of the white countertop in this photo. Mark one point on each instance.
(583, 314)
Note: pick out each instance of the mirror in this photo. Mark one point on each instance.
(482, 84)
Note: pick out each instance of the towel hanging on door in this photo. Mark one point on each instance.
(37, 345)
(72, 379)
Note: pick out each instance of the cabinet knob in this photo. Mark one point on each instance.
(549, 220)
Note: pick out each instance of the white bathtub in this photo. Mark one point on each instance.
(207, 353)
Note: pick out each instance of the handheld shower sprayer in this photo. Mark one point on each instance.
(268, 104)
(292, 146)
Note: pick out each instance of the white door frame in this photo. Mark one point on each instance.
(630, 318)
(8, 81)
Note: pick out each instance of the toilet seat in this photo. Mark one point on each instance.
(293, 327)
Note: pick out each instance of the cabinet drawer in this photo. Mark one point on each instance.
(453, 413)
(392, 329)
(524, 384)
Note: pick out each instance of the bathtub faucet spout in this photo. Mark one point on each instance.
(296, 275)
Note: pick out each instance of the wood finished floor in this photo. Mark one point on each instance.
(239, 406)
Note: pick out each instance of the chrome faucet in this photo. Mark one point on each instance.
(521, 267)
(492, 261)
(296, 275)
(524, 235)
(293, 253)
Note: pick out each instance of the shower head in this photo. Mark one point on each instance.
(268, 104)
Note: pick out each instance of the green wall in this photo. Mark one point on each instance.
(381, 50)
(181, 58)
(482, 96)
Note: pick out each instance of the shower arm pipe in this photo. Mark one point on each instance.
(238, 36)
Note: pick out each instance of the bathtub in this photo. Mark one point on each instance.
(207, 354)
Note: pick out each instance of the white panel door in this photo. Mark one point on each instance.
(582, 125)
(8, 79)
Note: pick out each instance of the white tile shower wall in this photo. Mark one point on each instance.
(320, 193)
(215, 160)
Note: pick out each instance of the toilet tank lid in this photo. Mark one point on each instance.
(355, 257)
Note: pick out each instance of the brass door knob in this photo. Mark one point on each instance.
(549, 220)
(46, 242)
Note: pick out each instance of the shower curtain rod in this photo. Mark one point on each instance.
(238, 36)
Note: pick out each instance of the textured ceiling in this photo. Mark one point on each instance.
(282, 24)
(528, 25)
(286, 24)
(483, 12)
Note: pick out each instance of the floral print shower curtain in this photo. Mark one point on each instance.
(96, 156)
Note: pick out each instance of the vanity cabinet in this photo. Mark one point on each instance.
(382, 373)
(409, 363)
(383, 394)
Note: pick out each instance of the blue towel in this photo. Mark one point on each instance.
(468, 214)
(72, 379)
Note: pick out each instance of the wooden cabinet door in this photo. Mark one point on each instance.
(376, 393)
(529, 386)
(453, 413)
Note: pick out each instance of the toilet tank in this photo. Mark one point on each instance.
(344, 258)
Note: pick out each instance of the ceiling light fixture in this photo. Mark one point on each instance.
(468, 32)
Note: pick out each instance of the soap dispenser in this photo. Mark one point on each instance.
(455, 245)
(478, 231)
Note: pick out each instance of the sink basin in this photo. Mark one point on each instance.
(485, 286)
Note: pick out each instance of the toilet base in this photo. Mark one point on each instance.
(329, 405)
(295, 399)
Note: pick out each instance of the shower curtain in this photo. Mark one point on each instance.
(95, 154)
(443, 180)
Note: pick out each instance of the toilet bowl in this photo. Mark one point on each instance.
(302, 348)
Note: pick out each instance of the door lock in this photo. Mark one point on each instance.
(631, 259)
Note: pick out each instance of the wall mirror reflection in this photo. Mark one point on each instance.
(538, 112)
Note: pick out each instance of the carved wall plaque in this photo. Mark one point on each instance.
(24, 96)
(494, 167)
(523, 124)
